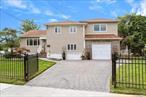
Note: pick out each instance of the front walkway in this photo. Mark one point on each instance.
(80, 75)
(27, 91)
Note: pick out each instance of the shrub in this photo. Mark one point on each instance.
(43, 52)
(21, 50)
(12, 55)
(88, 55)
(144, 51)
(63, 55)
(83, 57)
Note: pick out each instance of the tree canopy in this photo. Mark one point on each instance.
(8, 38)
(28, 25)
(132, 28)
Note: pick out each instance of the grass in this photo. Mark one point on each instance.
(13, 71)
(131, 73)
(124, 90)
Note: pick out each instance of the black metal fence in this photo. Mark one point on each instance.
(30, 65)
(18, 68)
(129, 71)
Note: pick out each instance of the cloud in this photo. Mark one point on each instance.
(35, 9)
(114, 14)
(49, 13)
(64, 16)
(53, 20)
(59, 15)
(142, 9)
(72, 9)
(138, 8)
(20, 4)
(16, 3)
(95, 7)
(106, 1)
(30, 7)
(130, 2)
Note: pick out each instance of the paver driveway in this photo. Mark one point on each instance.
(80, 75)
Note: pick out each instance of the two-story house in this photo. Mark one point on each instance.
(98, 36)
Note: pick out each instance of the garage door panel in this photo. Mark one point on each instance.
(101, 51)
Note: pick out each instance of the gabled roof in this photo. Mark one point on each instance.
(100, 20)
(102, 37)
(65, 23)
(34, 33)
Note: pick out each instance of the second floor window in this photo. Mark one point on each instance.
(73, 29)
(57, 30)
(100, 28)
(33, 41)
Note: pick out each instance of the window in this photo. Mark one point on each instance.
(30, 42)
(73, 29)
(57, 30)
(33, 41)
(71, 47)
(27, 42)
(38, 42)
(47, 27)
(74, 46)
(100, 27)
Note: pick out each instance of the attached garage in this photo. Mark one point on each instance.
(101, 51)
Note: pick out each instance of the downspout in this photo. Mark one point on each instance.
(84, 36)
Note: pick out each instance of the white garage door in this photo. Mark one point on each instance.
(101, 51)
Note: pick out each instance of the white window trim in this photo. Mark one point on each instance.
(71, 27)
(59, 28)
(99, 28)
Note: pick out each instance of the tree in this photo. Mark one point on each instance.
(8, 38)
(132, 28)
(28, 25)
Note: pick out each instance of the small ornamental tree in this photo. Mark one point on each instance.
(132, 28)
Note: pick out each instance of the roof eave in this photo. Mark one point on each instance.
(65, 24)
(100, 21)
(103, 38)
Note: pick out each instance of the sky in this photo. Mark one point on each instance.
(13, 12)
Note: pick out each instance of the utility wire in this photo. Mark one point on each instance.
(18, 19)
(55, 8)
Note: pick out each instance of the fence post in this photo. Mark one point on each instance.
(114, 58)
(25, 67)
(37, 61)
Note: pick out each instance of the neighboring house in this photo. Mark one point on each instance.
(97, 36)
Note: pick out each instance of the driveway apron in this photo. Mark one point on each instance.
(80, 75)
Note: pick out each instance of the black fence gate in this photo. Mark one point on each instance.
(129, 71)
(31, 65)
(18, 67)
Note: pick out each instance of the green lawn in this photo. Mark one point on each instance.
(124, 90)
(131, 73)
(12, 72)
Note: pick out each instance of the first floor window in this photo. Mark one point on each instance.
(71, 47)
(74, 46)
(33, 41)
